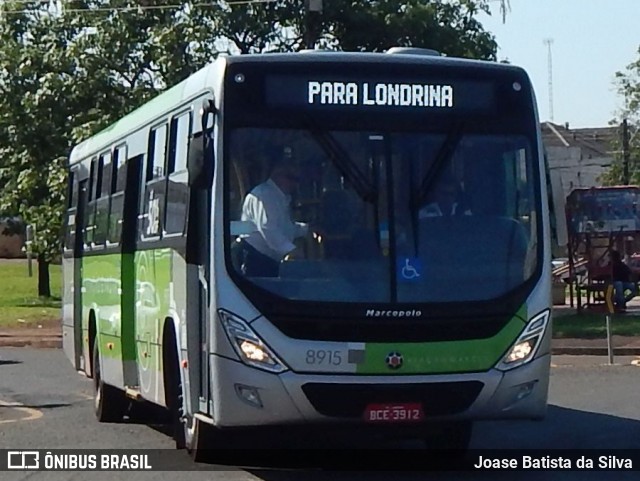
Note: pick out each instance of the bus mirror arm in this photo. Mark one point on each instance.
(200, 159)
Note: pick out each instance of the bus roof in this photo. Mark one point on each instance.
(198, 82)
(319, 56)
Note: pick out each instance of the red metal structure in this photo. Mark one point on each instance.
(599, 219)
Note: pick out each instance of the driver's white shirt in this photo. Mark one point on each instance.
(268, 208)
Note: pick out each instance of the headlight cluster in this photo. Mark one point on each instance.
(525, 347)
(248, 345)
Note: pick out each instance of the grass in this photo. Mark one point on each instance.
(593, 326)
(19, 301)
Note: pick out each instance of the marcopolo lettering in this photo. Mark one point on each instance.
(393, 313)
(380, 94)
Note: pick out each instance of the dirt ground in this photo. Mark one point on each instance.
(44, 334)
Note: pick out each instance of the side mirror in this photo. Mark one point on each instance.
(201, 158)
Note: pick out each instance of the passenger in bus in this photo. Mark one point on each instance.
(267, 206)
(623, 280)
(446, 202)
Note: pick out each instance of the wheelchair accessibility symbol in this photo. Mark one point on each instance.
(409, 269)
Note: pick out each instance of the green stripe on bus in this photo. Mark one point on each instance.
(440, 357)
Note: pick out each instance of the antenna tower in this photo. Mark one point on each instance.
(548, 42)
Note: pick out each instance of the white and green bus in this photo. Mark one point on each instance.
(388, 317)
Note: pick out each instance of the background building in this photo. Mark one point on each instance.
(578, 156)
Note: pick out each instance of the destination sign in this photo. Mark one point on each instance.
(400, 94)
(367, 93)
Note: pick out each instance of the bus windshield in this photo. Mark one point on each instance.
(382, 216)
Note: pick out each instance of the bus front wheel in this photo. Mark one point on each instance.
(188, 431)
(199, 439)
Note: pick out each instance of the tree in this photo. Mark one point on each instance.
(449, 27)
(359, 25)
(627, 83)
(63, 77)
(34, 80)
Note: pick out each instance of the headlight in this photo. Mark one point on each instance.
(248, 345)
(526, 346)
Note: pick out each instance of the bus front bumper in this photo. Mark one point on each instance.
(245, 396)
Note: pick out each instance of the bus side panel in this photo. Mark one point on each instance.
(102, 298)
(68, 336)
(153, 279)
(127, 320)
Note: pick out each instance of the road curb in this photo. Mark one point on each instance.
(35, 342)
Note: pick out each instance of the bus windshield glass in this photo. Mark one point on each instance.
(377, 216)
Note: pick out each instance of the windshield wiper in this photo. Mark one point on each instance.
(340, 158)
(443, 156)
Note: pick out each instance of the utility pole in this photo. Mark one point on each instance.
(625, 152)
(548, 42)
(313, 10)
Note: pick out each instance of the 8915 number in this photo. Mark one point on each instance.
(323, 357)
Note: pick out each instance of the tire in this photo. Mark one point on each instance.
(110, 404)
(454, 436)
(175, 404)
(189, 432)
(200, 441)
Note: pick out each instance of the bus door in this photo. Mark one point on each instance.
(198, 298)
(128, 273)
(198, 256)
(78, 248)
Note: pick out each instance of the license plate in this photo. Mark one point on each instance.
(393, 413)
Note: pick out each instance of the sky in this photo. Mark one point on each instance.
(591, 41)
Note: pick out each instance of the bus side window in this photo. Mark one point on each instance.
(72, 191)
(98, 184)
(154, 199)
(72, 205)
(200, 154)
(157, 153)
(118, 179)
(107, 170)
(102, 201)
(90, 213)
(177, 189)
(179, 143)
(121, 165)
(92, 168)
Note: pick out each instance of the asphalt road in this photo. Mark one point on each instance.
(45, 404)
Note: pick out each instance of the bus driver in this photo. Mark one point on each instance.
(267, 206)
(445, 202)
